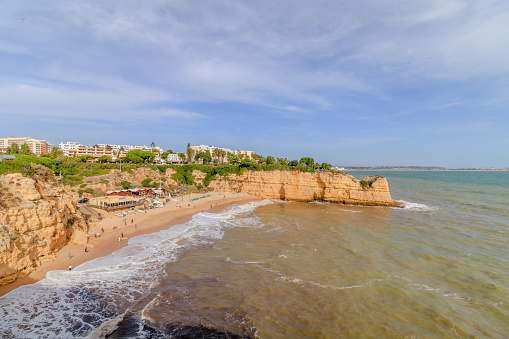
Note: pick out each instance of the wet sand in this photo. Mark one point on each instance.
(174, 213)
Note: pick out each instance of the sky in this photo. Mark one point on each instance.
(350, 83)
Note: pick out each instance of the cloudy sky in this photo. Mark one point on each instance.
(369, 82)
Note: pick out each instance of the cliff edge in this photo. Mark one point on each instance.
(338, 188)
(37, 218)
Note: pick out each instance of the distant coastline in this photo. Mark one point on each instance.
(418, 168)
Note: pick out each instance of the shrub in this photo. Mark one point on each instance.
(365, 183)
(97, 192)
(146, 182)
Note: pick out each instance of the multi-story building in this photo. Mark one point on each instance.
(36, 146)
(245, 154)
(70, 145)
(173, 158)
(130, 148)
(71, 149)
(204, 148)
(96, 152)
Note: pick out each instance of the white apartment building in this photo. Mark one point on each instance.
(129, 147)
(70, 149)
(70, 145)
(204, 148)
(245, 154)
(173, 158)
(96, 152)
(36, 146)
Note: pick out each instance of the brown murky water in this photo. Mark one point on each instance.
(436, 269)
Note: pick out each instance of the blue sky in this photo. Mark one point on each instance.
(363, 83)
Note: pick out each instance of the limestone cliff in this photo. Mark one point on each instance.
(304, 186)
(37, 218)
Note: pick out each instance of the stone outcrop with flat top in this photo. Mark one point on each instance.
(305, 186)
(37, 218)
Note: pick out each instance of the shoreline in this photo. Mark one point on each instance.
(132, 225)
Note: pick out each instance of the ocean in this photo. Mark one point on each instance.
(437, 268)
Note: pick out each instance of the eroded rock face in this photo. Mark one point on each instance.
(303, 186)
(37, 218)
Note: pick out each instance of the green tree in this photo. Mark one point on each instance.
(14, 149)
(293, 163)
(325, 166)
(189, 152)
(146, 182)
(308, 161)
(234, 159)
(269, 160)
(126, 184)
(108, 147)
(246, 163)
(25, 149)
(85, 158)
(282, 161)
(104, 158)
(136, 154)
(56, 152)
(207, 157)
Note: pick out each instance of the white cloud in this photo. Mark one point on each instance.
(300, 55)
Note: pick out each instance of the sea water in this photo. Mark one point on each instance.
(439, 267)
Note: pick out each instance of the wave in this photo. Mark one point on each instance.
(95, 295)
(324, 286)
(415, 206)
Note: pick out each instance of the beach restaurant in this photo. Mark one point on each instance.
(115, 202)
(138, 192)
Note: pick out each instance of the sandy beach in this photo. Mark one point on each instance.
(112, 227)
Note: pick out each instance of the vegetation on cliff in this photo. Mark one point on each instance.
(73, 171)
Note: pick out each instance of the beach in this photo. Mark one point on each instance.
(436, 268)
(176, 212)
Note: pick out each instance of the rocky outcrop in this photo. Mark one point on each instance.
(304, 186)
(37, 218)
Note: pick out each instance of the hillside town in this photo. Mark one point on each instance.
(112, 153)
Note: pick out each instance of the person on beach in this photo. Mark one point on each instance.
(119, 239)
(69, 255)
(86, 249)
(102, 229)
(132, 220)
(122, 234)
(70, 267)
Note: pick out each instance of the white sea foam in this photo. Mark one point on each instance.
(416, 206)
(324, 286)
(69, 304)
(441, 292)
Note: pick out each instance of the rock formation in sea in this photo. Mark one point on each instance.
(37, 218)
(305, 186)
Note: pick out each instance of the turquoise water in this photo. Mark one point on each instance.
(487, 178)
(437, 268)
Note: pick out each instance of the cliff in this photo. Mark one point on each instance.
(37, 218)
(304, 186)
